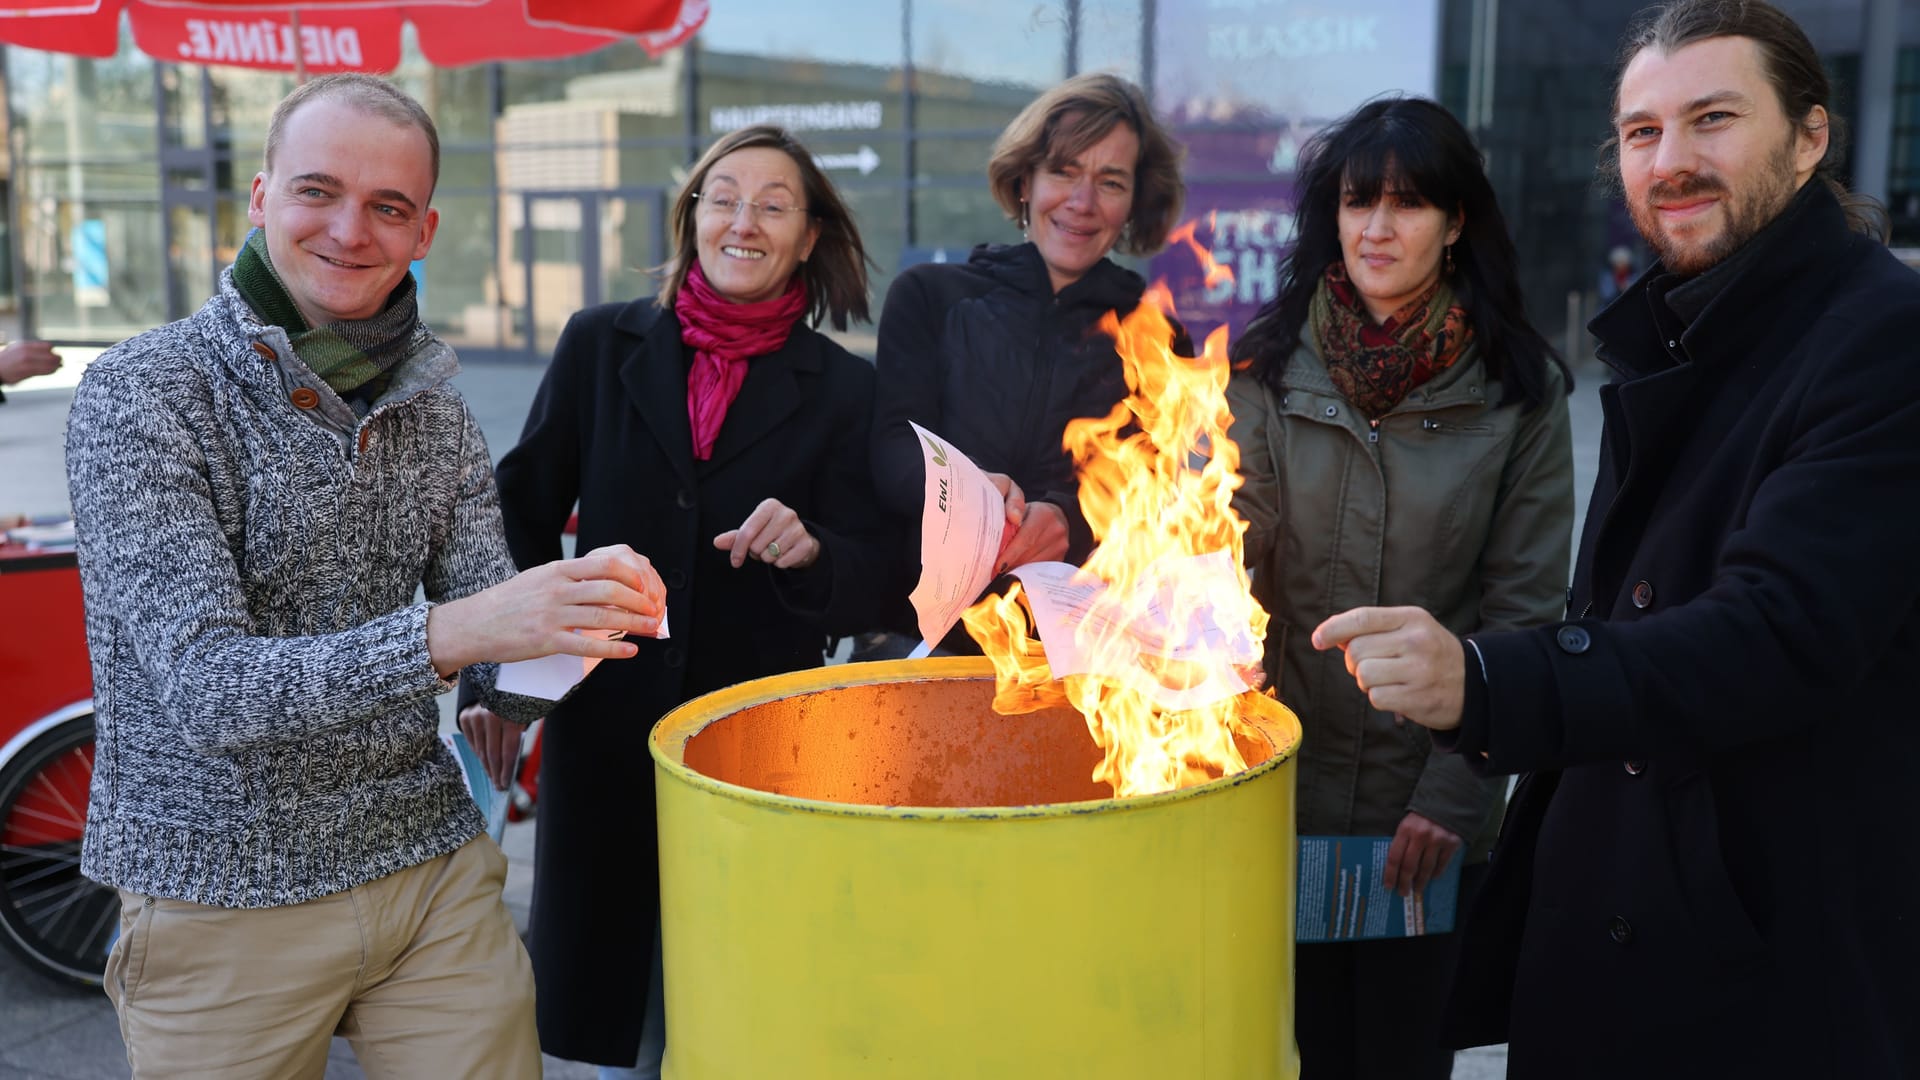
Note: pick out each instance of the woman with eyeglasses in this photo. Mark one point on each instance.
(714, 430)
(998, 353)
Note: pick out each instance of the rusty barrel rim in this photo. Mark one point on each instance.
(668, 740)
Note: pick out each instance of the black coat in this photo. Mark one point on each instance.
(609, 427)
(1720, 877)
(984, 354)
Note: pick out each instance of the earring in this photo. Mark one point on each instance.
(1024, 222)
(1449, 258)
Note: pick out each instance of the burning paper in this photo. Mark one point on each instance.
(1183, 663)
(1162, 619)
(1180, 655)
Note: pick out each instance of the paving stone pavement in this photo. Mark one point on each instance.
(52, 1032)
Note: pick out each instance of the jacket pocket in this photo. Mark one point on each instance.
(1713, 904)
(127, 960)
(1449, 427)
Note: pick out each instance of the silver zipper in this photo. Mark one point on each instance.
(1429, 424)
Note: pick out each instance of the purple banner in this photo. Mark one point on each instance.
(1247, 230)
(1246, 82)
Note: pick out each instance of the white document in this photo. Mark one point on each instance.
(1179, 647)
(1165, 640)
(550, 677)
(960, 528)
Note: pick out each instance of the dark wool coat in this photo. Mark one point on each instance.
(1715, 871)
(609, 426)
(986, 355)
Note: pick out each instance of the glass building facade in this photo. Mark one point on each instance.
(126, 179)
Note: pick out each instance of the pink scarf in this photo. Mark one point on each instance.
(724, 337)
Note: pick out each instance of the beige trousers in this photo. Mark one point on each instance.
(422, 971)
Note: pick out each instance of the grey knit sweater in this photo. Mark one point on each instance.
(264, 702)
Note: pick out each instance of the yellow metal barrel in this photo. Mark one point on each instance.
(866, 873)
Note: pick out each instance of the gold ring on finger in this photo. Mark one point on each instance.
(773, 550)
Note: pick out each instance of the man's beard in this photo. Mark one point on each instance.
(1746, 213)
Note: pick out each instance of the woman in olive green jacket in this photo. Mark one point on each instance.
(1404, 440)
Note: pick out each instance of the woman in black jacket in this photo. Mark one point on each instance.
(998, 353)
(718, 434)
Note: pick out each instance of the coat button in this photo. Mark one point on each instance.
(1573, 639)
(683, 499)
(675, 657)
(676, 579)
(1332, 411)
(1620, 930)
(1635, 768)
(305, 397)
(265, 350)
(1643, 595)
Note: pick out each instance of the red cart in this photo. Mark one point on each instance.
(59, 922)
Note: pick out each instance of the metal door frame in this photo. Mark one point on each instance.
(203, 160)
(589, 200)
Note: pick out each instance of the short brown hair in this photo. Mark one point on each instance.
(1060, 124)
(835, 275)
(367, 93)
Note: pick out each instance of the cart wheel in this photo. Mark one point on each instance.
(59, 922)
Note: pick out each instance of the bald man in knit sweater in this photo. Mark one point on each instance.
(259, 492)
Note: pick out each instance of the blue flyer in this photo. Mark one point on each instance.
(1342, 896)
(472, 771)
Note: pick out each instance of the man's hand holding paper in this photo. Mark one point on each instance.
(588, 606)
(540, 611)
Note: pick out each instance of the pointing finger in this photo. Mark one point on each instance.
(1339, 630)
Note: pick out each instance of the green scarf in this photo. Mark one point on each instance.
(355, 357)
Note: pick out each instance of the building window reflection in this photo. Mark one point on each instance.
(845, 32)
(1108, 36)
(1020, 43)
(127, 184)
(1903, 180)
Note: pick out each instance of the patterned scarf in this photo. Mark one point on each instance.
(355, 357)
(1374, 367)
(724, 337)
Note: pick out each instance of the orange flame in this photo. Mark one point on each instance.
(1157, 477)
(1218, 273)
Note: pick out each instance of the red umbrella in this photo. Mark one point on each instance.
(319, 36)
